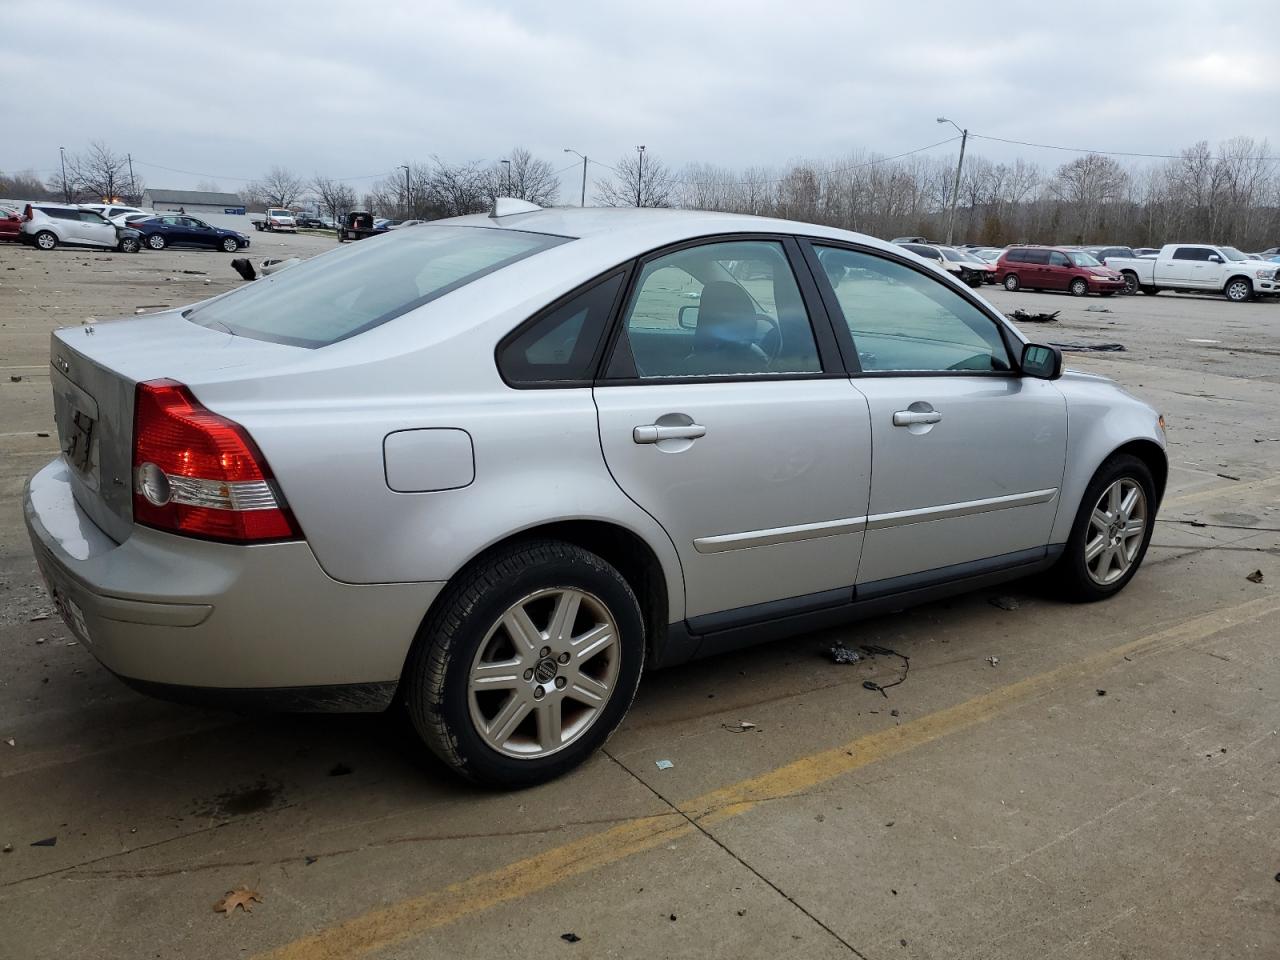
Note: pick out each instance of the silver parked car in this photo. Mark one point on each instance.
(45, 225)
(495, 466)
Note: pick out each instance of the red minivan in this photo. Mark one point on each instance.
(1055, 268)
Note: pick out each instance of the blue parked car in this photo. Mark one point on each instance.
(181, 230)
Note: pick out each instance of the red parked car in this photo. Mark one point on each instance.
(10, 222)
(1055, 268)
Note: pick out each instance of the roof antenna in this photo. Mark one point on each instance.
(509, 206)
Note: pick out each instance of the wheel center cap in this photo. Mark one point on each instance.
(546, 670)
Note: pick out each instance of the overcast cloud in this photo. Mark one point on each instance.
(352, 89)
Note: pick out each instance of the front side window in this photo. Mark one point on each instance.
(1057, 259)
(352, 289)
(721, 309)
(902, 320)
(1190, 253)
(559, 347)
(1082, 259)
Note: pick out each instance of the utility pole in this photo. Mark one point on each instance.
(408, 211)
(955, 187)
(66, 194)
(133, 184)
(640, 177)
(583, 203)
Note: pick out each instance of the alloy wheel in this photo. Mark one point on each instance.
(1238, 290)
(155, 242)
(544, 673)
(1117, 527)
(46, 241)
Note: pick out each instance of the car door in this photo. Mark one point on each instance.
(96, 229)
(1206, 273)
(1057, 274)
(968, 456)
(725, 414)
(1179, 269)
(200, 233)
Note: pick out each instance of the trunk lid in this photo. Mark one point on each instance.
(94, 371)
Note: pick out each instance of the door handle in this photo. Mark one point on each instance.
(905, 418)
(654, 432)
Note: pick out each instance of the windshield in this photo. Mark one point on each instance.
(1082, 259)
(1231, 253)
(353, 289)
(955, 256)
(279, 213)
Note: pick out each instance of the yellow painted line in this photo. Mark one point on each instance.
(388, 926)
(1234, 489)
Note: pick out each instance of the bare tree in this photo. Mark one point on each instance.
(100, 173)
(281, 187)
(208, 186)
(25, 185)
(639, 181)
(1086, 184)
(525, 177)
(333, 196)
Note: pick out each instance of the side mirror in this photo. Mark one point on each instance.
(1214, 258)
(1041, 361)
(688, 317)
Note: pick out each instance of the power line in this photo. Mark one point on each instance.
(1110, 153)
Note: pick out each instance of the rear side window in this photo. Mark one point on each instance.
(353, 289)
(559, 347)
(1190, 253)
(60, 213)
(1036, 256)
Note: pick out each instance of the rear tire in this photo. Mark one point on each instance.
(1011, 282)
(1079, 287)
(533, 717)
(1107, 545)
(46, 240)
(157, 242)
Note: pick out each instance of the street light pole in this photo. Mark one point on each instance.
(955, 187)
(66, 194)
(507, 188)
(583, 203)
(640, 177)
(408, 210)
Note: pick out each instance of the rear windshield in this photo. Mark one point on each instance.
(353, 289)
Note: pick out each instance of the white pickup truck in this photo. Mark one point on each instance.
(1198, 266)
(277, 219)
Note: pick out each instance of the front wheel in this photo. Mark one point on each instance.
(1011, 282)
(1131, 284)
(1079, 287)
(526, 664)
(156, 242)
(230, 245)
(130, 245)
(1111, 532)
(1239, 290)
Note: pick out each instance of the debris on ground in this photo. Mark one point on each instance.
(1255, 577)
(8, 848)
(274, 266)
(893, 713)
(309, 859)
(842, 654)
(1090, 347)
(664, 764)
(1227, 476)
(15, 379)
(241, 897)
(740, 726)
(1101, 692)
(672, 918)
(993, 660)
(10, 741)
(46, 842)
(38, 617)
(1023, 316)
(1005, 603)
(1097, 309)
(570, 937)
(243, 267)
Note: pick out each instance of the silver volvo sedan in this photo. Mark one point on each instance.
(493, 467)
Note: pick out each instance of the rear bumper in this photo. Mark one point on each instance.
(219, 622)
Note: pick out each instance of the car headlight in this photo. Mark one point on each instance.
(1265, 274)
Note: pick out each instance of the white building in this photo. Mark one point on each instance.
(193, 202)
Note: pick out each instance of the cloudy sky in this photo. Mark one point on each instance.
(224, 90)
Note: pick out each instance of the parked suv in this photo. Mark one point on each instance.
(45, 225)
(968, 269)
(1056, 268)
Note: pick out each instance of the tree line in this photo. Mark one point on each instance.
(1228, 194)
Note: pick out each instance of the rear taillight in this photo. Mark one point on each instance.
(200, 474)
(26, 212)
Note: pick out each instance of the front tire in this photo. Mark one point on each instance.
(526, 664)
(130, 245)
(1079, 287)
(46, 240)
(1011, 282)
(156, 242)
(230, 245)
(1111, 532)
(1131, 284)
(1239, 290)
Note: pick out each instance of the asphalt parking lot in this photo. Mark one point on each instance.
(1050, 780)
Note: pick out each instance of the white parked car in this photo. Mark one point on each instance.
(1193, 267)
(46, 225)
(495, 466)
(112, 211)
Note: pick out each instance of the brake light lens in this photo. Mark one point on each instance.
(199, 474)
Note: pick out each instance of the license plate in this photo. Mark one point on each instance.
(81, 442)
(72, 615)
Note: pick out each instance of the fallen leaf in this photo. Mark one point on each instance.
(1255, 577)
(241, 897)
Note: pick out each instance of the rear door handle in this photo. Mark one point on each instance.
(905, 418)
(653, 432)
